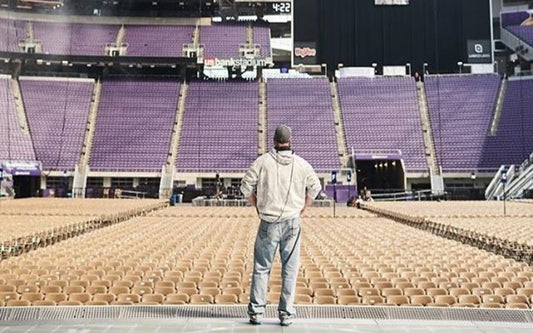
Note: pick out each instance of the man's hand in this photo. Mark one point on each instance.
(252, 199)
(308, 201)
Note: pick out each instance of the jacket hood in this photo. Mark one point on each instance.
(283, 157)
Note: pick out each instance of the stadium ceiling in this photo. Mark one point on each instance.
(144, 8)
(32, 4)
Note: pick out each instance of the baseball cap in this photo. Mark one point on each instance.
(282, 134)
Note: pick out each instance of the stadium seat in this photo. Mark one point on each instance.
(104, 297)
(372, 300)
(469, 300)
(398, 300)
(79, 297)
(43, 303)
(202, 299)
(446, 299)
(31, 296)
(127, 299)
(70, 303)
(302, 299)
(7, 288)
(325, 299)
(348, 300)
(420, 300)
(226, 299)
(56, 297)
(15, 302)
(273, 297)
(436, 291)
(176, 298)
(244, 298)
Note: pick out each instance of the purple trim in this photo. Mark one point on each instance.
(515, 18)
(25, 172)
(344, 192)
(372, 157)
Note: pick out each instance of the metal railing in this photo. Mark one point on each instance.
(408, 196)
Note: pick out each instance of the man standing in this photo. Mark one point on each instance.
(285, 184)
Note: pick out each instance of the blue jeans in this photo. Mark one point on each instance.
(286, 235)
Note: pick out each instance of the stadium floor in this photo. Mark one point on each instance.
(233, 319)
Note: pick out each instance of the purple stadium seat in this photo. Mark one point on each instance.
(222, 40)
(134, 125)
(57, 124)
(74, 38)
(305, 106)
(461, 108)
(12, 33)
(219, 130)
(262, 37)
(513, 141)
(157, 40)
(15, 144)
(383, 114)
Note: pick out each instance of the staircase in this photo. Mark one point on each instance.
(249, 34)
(19, 106)
(30, 34)
(120, 36)
(79, 182)
(81, 170)
(91, 124)
(515, 43)
(262, 145)
(522, 182)
(435, 174)
(498, 108)
(426, 128)
(196, 36)
(167, 172)
(342, 147)
(495, 188)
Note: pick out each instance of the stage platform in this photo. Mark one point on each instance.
(230, 318)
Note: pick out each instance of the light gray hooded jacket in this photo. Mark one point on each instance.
(282, 180)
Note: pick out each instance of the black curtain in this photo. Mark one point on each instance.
(359, 33)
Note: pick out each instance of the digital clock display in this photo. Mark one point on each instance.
(282, 7)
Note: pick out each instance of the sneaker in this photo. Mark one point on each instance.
(256, 318)
(285, 320)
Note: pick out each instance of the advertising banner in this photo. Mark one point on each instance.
(305, 53)
(479, 51)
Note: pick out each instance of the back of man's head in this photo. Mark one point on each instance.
(282, 135)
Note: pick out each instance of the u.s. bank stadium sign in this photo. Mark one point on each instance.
(232, 62)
